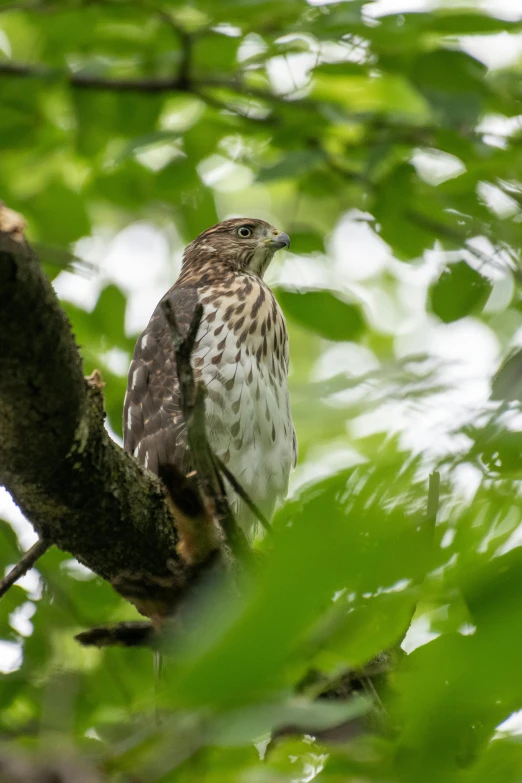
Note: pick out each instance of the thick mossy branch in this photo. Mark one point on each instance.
(79, 489)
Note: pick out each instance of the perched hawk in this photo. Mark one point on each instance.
(241, 355)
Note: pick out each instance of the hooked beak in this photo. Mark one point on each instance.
(279, 241)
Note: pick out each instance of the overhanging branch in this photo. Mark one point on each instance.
(182, 82)
(90, 81)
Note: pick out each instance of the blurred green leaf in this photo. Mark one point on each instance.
(252, 646)
(506, 384)
(388, 93)
(459, 291)
(294, 163)
(216, 52)
(13, 599)
(10, 552)
(306, 241)
(324, 312)
(124, 115)
(236, 728)
(463, 703)
(59, 215)
(453, 82)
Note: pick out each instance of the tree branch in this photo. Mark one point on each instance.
(78, 488)
(185, 40)
(91, 82)
(182, 82)
(23, 566)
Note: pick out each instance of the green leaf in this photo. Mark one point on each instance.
(242, 726)
(21, 112)
(453, 82)
(449, 22)
(507, 381)
(148, 140)
(216, 53)
(58, 214)
(108, 317)
(462, 704)
(459, 291)
(293, 164)
(10, 552)
(13, 599)
(251, 642)
(102, 114)
(306, 241)
(396, 208)
(130, 186)
(381, 93)
(323, 312)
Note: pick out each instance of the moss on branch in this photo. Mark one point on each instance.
(78, 488)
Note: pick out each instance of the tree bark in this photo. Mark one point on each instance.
(77, 487)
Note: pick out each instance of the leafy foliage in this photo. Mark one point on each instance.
(391, 153)
(459, 291)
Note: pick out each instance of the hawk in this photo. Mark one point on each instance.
(240, 354)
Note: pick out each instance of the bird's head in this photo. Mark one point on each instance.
(243, 244)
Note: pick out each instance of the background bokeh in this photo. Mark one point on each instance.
(385, 138)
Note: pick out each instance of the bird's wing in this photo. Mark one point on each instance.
(153, 425)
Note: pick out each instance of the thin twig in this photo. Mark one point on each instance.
(180, 83)
(233, 109)
(186, 42)
(22, 567)
(244, 496)
(90, 81)
(369, 687)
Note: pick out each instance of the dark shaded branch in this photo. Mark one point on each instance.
(122, 635)
(22, 567)
(185, 40)
(78, 488)
(92, 82)
(181, 82)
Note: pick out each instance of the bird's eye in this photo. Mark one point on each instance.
(244, 231)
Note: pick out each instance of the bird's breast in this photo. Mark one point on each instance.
(247, 318)
(241, 355)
